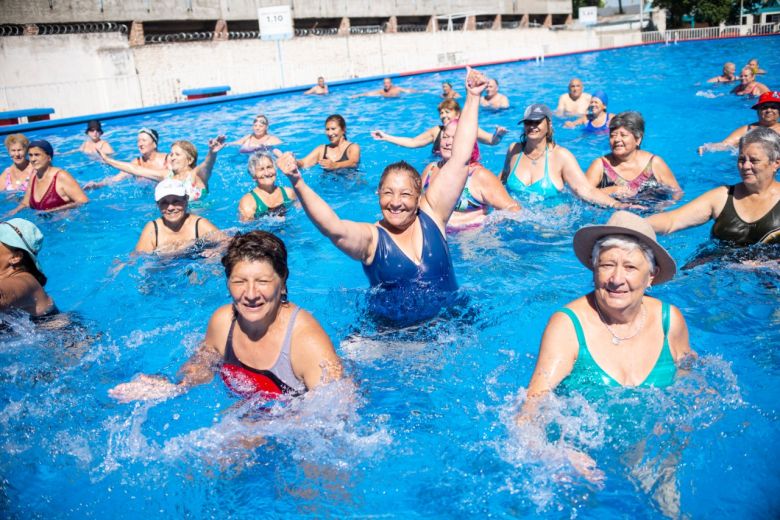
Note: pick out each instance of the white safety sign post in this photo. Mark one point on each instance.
(276, 24)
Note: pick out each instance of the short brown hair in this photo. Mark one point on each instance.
(17, 139)
(405, 167)
(257, 246)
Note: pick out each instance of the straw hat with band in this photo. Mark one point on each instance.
(23, 234)
(625, 223)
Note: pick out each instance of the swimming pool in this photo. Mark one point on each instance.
(428, 432)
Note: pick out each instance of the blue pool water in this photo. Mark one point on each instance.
(428, 432)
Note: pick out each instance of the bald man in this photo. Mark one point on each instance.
(575, 102)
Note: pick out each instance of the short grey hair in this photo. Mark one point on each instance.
(625, 242)
(631, 121)
(768, 139)
(255, 158)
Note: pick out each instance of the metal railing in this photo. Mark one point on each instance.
(704, 33)
(63, 28)
(366, 29)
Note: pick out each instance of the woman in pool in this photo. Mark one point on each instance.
(176, 229)
(628, 170)
(21, 277)
(259, 139)
(616, 335)
(16, 177)
(50, 188)
(267, 197)
(748, 85)
(447, 92)
(598, 117)
(745, 213)
(181, 166)
(483, 190)
(449, 109)
(768, 109)
(407, 249)
(95, 140)
(339, 153)
(150, 158)
(260, 343)
(539, 167)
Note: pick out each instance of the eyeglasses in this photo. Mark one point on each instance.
(164, 203)
(20, 235)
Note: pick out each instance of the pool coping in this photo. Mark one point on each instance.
(181, 105)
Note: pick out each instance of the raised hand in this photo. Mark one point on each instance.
(476, 82)
(218, 143)
(378, 135)
(289, 166)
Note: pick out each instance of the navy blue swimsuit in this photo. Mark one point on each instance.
(407, 292)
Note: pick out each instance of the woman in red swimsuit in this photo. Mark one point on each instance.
(260, 343)
(628, 170)
(50, 188)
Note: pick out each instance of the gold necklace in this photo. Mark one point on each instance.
(615, 338)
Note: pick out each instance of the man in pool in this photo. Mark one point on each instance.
(388, 90)
(493, 98)
(729, 74)
(575, 102)
(320, 89)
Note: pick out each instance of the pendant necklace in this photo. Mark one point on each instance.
(615, 338)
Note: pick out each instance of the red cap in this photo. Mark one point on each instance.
(768, 97)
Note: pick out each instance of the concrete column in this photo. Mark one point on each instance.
(344, 27)
(433, 25)
(524, 21)
(548, 21)
(392, 25)
(221, 31)
(137, 34)
(569, 20)
(30, 30)
(470, 24)
(497, 23)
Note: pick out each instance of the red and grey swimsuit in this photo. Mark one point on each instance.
(247, 381)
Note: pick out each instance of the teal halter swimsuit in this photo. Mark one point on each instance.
(544, 187)
(262, 207)
(587, 374)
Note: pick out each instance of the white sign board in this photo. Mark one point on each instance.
(275, 22)
(588, 15)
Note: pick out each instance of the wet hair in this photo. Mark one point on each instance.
(261, 116)
(625, 242)
(339, 120)
(258, 246)
(27, 264)
(631, 121)
(189, 149)
(17, 139)
(255, 158)
(767, 138)
(404, 167)
(449, 104)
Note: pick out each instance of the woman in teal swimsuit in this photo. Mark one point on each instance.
(538, 168)
(616, 335)
(266, 197)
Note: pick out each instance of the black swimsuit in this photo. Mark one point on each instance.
(344, 156)
(731, 228)
(156, 230)
(437, 142)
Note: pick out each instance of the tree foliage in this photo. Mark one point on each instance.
(712, 12)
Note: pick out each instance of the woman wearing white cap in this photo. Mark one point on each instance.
(176, 229)
(539, 168)
(21, 277)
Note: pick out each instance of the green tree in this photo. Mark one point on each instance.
(711, 11)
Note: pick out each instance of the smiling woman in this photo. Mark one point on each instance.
(266, 197)
(338, 153)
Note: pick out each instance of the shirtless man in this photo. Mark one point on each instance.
(729, 74)
(320, 88)
(387, 90)
(575, 102)
(492, 99)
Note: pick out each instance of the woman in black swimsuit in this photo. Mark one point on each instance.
(339, 153)
(745, 213)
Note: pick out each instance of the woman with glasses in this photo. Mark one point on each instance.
(768, 109)
(538, 168)
(259, 139)
(176, 229)
(21, 276)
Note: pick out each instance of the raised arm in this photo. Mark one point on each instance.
(491, 139)
(204, 169)
(698, 211)
(133, 169)
(419, 141)
(355, 239)
(311, 159)
(441, 196)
